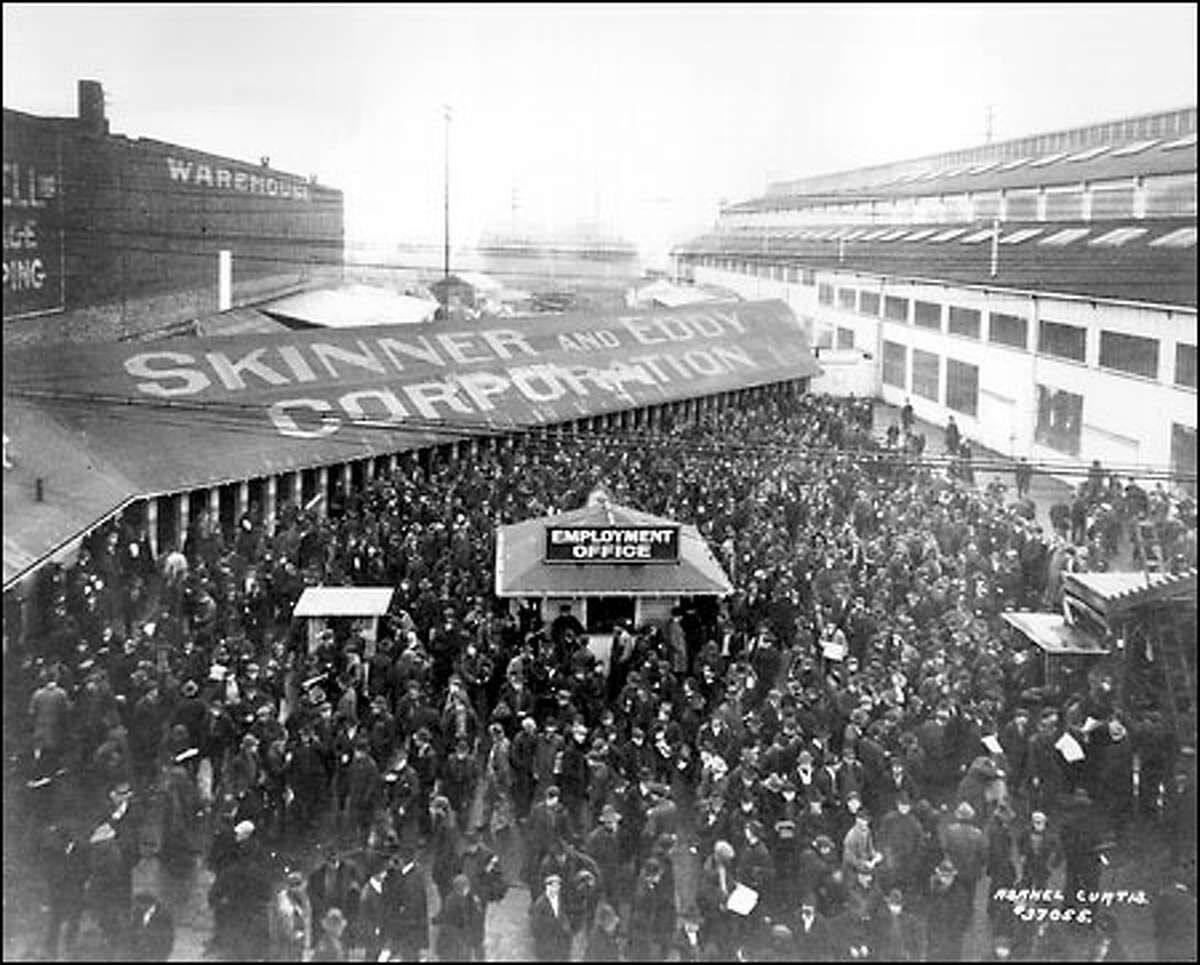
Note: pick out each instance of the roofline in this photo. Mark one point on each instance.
(997, 147)
(59, 547)
(951, 283)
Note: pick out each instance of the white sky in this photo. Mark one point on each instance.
(641, 116)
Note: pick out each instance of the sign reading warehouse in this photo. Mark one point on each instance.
(252, 405)
(612, 544)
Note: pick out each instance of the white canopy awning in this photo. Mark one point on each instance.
(344, 601)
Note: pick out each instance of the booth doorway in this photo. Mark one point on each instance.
(604, 613)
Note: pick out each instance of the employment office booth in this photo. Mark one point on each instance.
(610, 563)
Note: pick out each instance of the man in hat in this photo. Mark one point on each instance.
(949, 912)
(183, 812)
(289, 920)
(965, 845)
(151, 930)
(239, 896)
(901, 840)
(547, 824)
(811, 932)
(718, 878)
(898, 935)
(330, 947)
(1085, 839)
(408, 931)
(548, 923)
(606, 846)
(652, 916)
(64, 859)
(364, 790)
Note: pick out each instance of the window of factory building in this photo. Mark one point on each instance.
(1064, 205)
(925, 374)
(895, 364)
(848, 299)
(1171, 196)
(868, 303)
(1021, 206)
(1129, 353)
(825, 294)
(1059, 419)
(845, 337)
(824, 335)
(808, 277)
(895, 308)
(986, 205)
(1011, 330)
(927, 314)
(964, 321)
(1185, 365)
(1063, 341)
(1183, 455)
(793, 273)
(1112, 201)
(962, 387)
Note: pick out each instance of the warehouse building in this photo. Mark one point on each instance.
(1042, 291)
(110, 237)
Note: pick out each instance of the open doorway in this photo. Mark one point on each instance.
(605, 613)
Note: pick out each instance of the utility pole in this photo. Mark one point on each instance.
(446, 197)
(989, 124)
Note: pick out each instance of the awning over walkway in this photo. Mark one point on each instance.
(1052, 634)
(132, 420)
(344, 601)
(1111, 594)
(521, 568)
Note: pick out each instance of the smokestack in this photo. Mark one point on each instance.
(91, 107)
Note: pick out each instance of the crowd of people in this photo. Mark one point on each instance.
(854, 747)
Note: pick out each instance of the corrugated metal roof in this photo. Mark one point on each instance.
(1137, 270)
(1114, 593)
(521, 570)
(105, 423)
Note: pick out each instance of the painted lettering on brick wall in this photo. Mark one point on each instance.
(220, 178)
(33, 273)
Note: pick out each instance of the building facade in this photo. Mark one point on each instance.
(109, 237)
(1042, 291)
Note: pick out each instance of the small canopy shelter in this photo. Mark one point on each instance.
(362, 604)
(1062, 645)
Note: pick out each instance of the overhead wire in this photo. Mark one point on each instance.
(248, 419)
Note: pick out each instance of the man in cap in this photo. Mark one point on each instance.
(151, 930)
(548, 923)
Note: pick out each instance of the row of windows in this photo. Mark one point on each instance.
(1129, 354)
(962, 378)
(1119, 352)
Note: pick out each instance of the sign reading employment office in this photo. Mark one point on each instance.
(612, 544)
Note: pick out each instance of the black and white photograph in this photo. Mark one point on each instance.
(599, 482)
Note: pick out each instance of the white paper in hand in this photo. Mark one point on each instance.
(742, 900)
(1069, 747)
